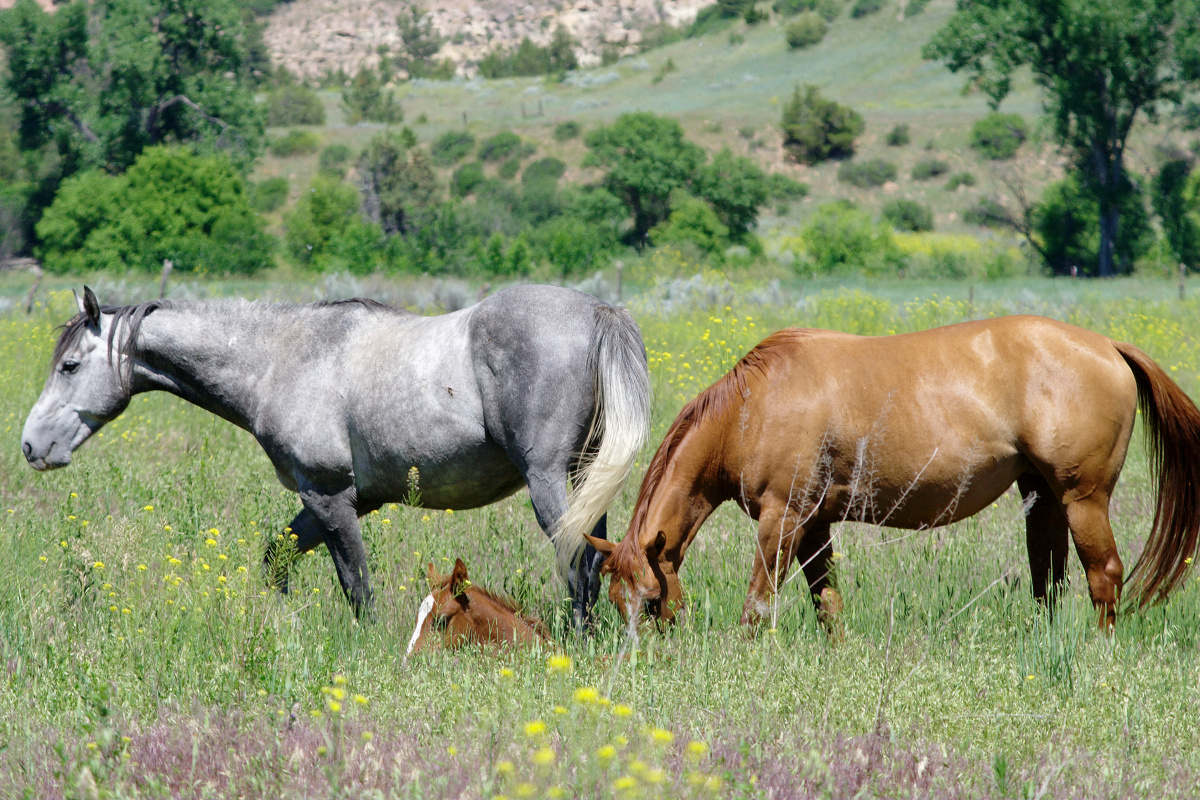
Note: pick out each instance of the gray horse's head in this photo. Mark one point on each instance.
(85, 389)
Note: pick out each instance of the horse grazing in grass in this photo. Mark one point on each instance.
(458, 612)
(531, 387)
(915, 431)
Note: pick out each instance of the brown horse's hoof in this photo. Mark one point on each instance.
(830, 615)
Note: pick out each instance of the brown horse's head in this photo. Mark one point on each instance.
(456, 612)
(641, 579)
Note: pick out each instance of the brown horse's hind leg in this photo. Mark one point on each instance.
(1046, 536)
(815, 555)
(1097, 550)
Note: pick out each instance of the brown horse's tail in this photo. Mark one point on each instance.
(1172, 428)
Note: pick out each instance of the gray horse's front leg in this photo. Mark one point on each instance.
(337, 515)
(282, 550)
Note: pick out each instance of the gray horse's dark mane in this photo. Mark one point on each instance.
(128, 320)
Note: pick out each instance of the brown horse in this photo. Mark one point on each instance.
(916, 431)
(458, 612)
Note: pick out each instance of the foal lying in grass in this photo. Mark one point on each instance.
(456, 612)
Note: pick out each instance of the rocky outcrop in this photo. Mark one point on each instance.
(313, 37)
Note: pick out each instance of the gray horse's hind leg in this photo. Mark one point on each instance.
(281, 551)
(549, 498)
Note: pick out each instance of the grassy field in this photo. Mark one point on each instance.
(144, 657)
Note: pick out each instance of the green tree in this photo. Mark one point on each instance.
(647, 158)
(1065, 223)
(1175, 203)
(692, 221)
(102, 82)
(736, 188)
(324, 214)
(366, 100)
(816, 129)
(421, 43)
(398, 185)
(171, 203)
(1100, 64)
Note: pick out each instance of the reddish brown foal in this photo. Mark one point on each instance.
(914, 431)
(457, 611)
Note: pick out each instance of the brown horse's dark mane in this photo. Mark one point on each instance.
(715, 402)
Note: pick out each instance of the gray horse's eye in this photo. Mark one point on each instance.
(69, 366)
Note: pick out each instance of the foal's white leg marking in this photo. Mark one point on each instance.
(426, 607)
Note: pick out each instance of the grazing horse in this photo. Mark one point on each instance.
(916, 431)
(462, 613)
(533, 386)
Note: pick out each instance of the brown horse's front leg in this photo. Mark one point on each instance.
(779, 538)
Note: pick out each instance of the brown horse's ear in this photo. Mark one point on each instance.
(458, 579)
(90, 306)
(603, 546)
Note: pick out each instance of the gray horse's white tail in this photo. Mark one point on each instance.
(620, 425)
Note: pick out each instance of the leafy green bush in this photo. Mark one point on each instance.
(326, 213)
(1175, 202)
(735, 187)
(959, 179)
(544, 169)
(694, 222)
(295, 104)
(806, 30)
(898, 136)
(509, 168)
(1067, 221)
(268, 195)
(170, 204)
(862, 8)
(998, 136)
(529, 59)
(929, 168)
(908, 215)
(816, 129)
(987, 213)
(867, 174)
(828, 9)
(504, 145)
(333, 160)
(466, 178)
(451, 147)
(567, 129)
(841, 236)
(785, 188)
(295, 143)
(365, 100)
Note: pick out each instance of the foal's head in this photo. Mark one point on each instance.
(456, 612)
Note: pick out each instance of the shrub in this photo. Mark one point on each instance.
(692, 221)
(529, 59)
(323, 214)
(929, 168)
(171, 204)
(509, 168)
(735, 187)
(365, 100)
(840, 235)
(544, 169)
(1067, 220)
(451, 147)
(998, 136)
(862, 8)
(504, 145)
(806, 30)
(908, 215)
(268, 195)
(959, 179)
(828, 9)
(333, 160)
(296, 143)
(987, 213)
(816, 129)
(466, 178)
(898, 136)
(294, 105)
(785, 188)
(867, 174)
(567, 129)
(1174, 198)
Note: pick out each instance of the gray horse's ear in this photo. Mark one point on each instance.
(90, 306)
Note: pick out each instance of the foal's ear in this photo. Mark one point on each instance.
(433, 578)
(458, 579)
(90, 306)
(603, 546)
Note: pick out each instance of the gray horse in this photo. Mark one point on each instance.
(531, 387)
